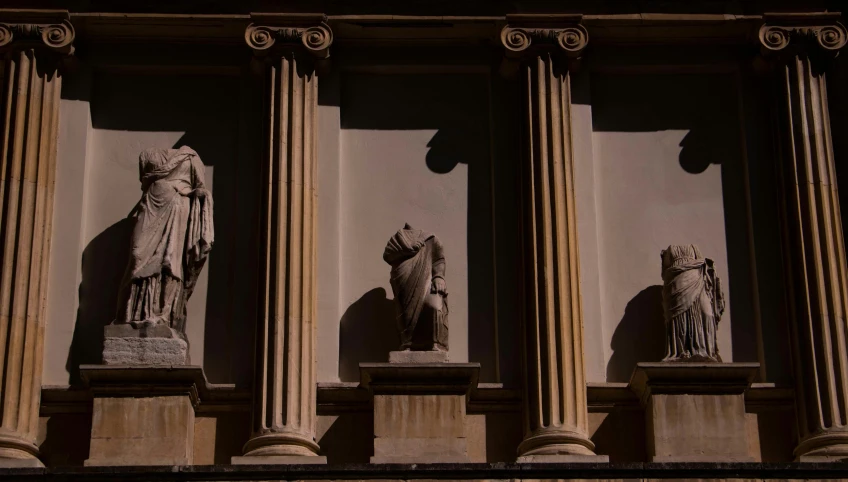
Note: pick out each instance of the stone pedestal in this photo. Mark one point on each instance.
(419, 410)
(154, 345)
(695, 412)
(143, 415)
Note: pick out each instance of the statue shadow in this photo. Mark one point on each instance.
(639, 336)
(103, 263)
(367, 333)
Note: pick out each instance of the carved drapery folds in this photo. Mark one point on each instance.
(813, 236)
(285, 377)
(556, 411)
(31, 46)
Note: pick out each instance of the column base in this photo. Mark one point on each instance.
(695, 412)
(15, 452)
(551, 445)
(825, 447)
(280, 448)
(142, 415)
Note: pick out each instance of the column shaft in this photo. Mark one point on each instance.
(818, 278)
(816, 273)
(31, 96)
(557, 419)
(285, 400)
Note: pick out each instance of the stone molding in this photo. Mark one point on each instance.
(556, 33)
(692, 378)
(307, 32)
(48, 30)
(419, 378)
(140, 381)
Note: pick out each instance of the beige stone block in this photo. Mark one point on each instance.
(419, 416)
(419, 450)
(697, 428)
(475, 434)
(142, 431)
(205, 431)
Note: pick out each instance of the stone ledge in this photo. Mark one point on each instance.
(141, 380)
(692, 378)
(488, 471)
(419, 378)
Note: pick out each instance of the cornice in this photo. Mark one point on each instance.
(269, 32)
(42, 29)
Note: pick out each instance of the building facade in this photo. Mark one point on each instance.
(562, 152)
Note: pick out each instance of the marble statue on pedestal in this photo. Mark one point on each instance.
(418, 281)
(172, 236)
(693, 303)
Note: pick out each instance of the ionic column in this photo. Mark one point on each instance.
(816, 272)
(285, 379)
(556, 416)
(31, 46)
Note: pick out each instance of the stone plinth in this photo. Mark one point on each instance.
(154, 345)
(143, 415)
(416, 356)
(419, 410)
(695, 412)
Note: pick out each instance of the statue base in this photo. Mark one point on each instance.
(143, 415)
(695, 412)
(419, 410)
(124, 344)
(415, 356)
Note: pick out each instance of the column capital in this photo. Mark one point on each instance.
(813, 33)
(307, 32)
(557, 33)
(41, 29)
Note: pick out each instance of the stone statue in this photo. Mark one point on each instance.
(172, 236)
(418, 282)
(693, 304)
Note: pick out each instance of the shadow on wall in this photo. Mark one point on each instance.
(103, 263)
(368, 333)
(639, 336)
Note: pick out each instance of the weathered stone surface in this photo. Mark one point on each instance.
(695, 412)
(145, 351)
(562, 459)
(420, 411)
(414, 356)
(142, 431)
(279, 459)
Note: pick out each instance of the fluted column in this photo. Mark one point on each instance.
(31, 47)
(816, 272)
(555, 400)
(285, 379)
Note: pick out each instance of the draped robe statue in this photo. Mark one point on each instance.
(693, 303)
(172, 236)
(418, 281)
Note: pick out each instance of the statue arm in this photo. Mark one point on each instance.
(439, 266)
